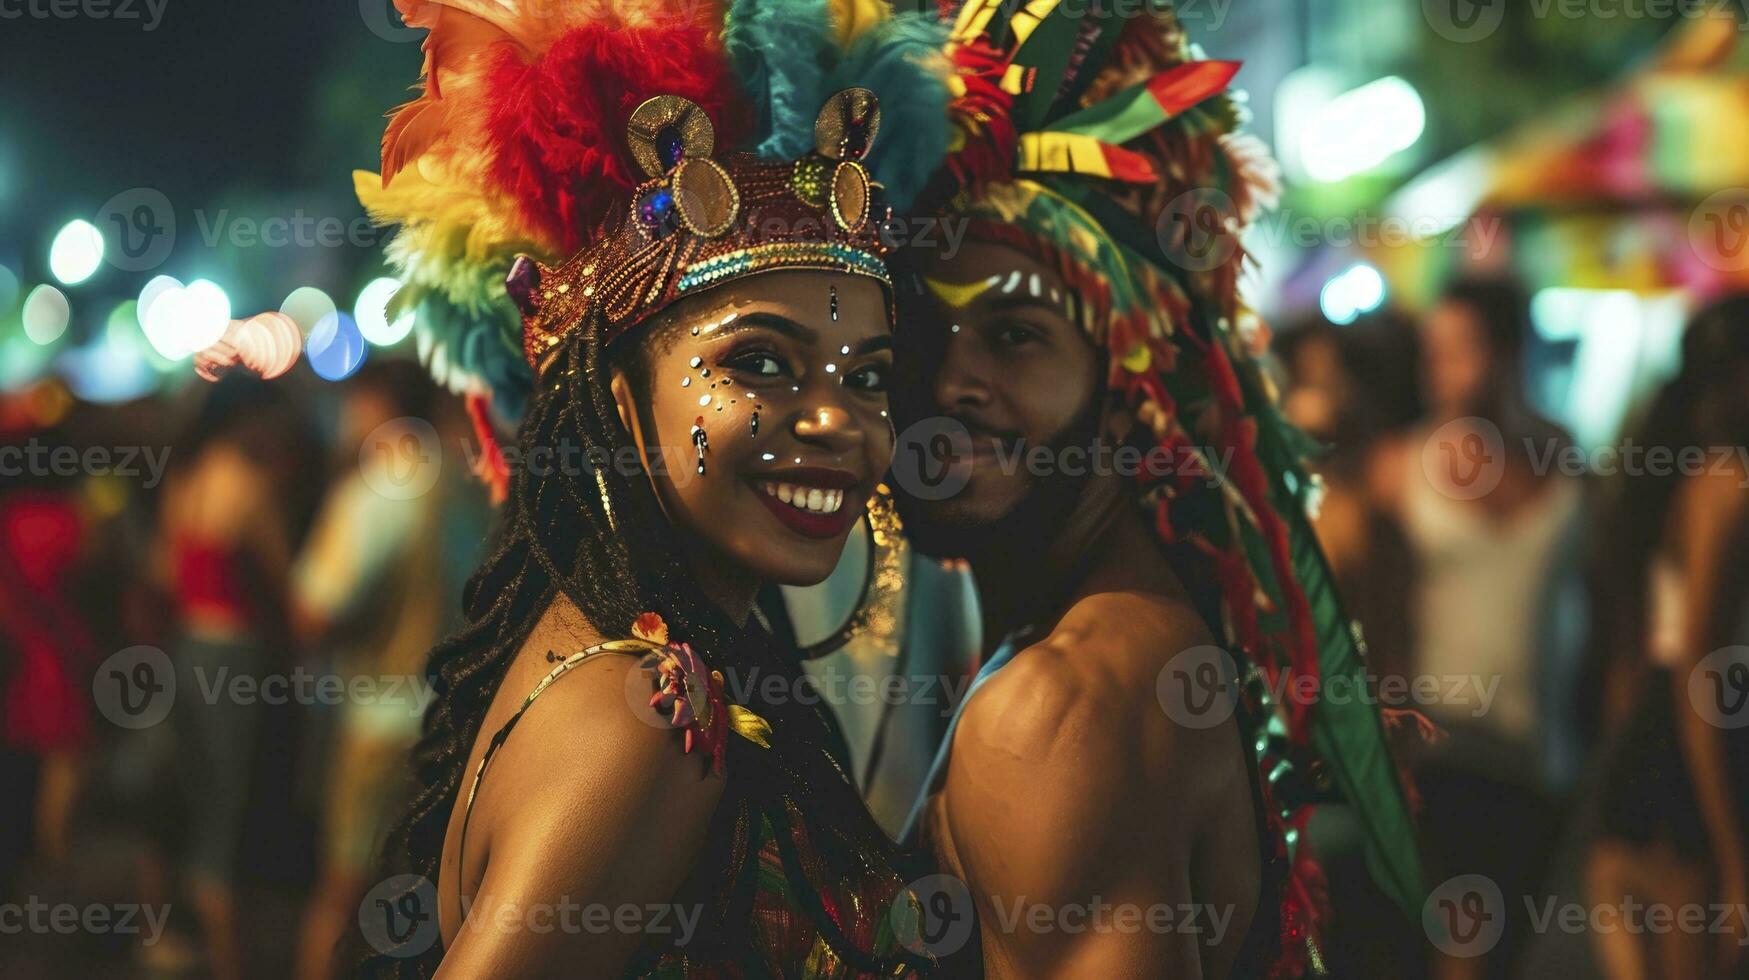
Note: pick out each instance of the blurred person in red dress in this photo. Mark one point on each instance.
(44, 644)
(223, 556)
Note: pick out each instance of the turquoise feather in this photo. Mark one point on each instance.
(781, 50)
(900, 61)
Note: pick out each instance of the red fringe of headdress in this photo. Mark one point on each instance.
(558, 122)
(982, 114)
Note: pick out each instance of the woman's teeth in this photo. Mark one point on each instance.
(811, 499)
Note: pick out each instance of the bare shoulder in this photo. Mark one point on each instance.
(589, 778)
(588, 749)
(594, 715)
(1088, 689)
(1068, 778)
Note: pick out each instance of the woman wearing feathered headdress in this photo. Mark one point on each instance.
(651, 229)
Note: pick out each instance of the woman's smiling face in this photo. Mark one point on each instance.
(782, 377)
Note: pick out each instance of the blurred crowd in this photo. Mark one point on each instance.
(212, 680)
(322, 535)
(1555, 613)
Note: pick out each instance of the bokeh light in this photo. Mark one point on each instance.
(45, 315)
(77, 252)
(1357, 290)
(371, 312)
(21, 362)
(1359, 130)
(308, 306)
(335, 348)
(105, 372)
(206, 312)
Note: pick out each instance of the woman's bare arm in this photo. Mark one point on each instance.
(589, 819)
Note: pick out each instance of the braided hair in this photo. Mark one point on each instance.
(596, 536)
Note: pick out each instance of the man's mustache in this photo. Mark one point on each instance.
(980, 431)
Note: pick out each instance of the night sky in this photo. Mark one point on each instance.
(260, 107)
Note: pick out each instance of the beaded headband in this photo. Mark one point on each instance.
(699, 221)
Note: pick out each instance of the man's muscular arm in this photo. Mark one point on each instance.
(1076, 806)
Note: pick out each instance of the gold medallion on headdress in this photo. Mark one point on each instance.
(672, 138)
(843, 131)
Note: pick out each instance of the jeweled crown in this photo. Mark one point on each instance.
(700, 221)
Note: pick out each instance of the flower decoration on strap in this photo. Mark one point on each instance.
(690, 695)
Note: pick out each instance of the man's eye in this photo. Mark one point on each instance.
(1015, 335)
(759, 364)
(871, 378)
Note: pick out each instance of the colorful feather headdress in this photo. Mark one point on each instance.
(1104, 146)
(635, 151)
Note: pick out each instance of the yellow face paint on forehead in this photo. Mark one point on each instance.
(958, 296)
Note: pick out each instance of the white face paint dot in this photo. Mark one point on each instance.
(704, 399)
(956, 328)
(845, 349)
(685, 382)
(695, 362)
(831, 369)
(767, 457)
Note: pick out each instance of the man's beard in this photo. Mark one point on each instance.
(1028, 526)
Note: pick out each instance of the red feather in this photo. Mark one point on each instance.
(491, 467)
(454, 36)
(558, 122)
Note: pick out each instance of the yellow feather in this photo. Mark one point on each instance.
(851, 17)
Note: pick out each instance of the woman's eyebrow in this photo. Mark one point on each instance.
(795, 330)
(775, 322)
(878, 342)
